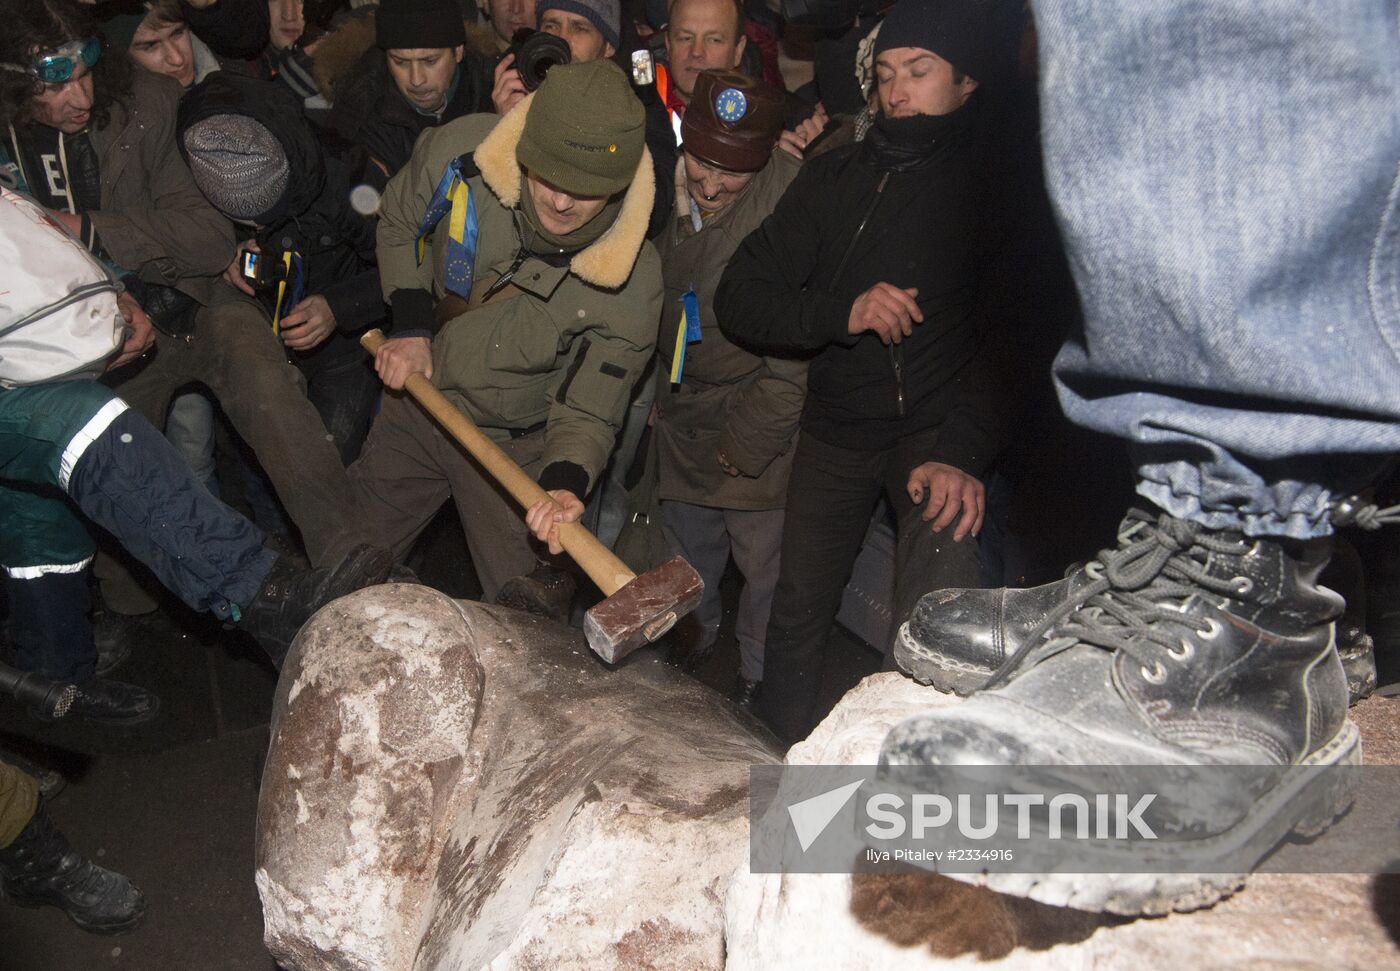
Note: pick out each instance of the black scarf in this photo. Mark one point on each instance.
(908, 144)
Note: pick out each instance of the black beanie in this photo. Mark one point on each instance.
(418, 24)
(962, 32)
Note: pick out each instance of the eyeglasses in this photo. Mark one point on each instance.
(59, 66)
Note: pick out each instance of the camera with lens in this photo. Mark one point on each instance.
(260, 272)
(535, 53)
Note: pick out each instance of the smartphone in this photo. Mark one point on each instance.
(643, 68)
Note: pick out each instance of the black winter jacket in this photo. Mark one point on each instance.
(314, 216)
(370, 112)
(791, 284)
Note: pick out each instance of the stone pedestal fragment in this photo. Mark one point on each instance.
(924, 921)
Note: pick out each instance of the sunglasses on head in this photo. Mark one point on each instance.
(59, 66)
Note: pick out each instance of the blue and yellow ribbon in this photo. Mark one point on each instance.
(687, 332)
(453, 198)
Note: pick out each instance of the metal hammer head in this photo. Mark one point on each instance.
(643, 610)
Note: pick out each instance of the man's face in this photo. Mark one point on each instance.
(584, 40)
(66, 106)
(424, 74)
(703, 35)
(508, 16)
(713, 189)
(287, 22)
(559, 211)
(912, 81)
(164, 48)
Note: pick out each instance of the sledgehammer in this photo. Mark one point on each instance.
(638, 609)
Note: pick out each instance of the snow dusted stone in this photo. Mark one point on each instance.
(454, 786)
(923, 921)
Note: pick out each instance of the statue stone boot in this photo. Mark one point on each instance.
(1182, 647)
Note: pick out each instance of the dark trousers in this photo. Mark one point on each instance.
(235, 355)
(133, 483)
(831, 496)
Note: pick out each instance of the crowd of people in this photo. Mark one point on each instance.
(710, 316)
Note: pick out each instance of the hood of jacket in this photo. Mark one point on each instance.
(606, 262)
(274, 107)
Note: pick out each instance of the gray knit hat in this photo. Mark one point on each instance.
(238, 164)
(606, 15)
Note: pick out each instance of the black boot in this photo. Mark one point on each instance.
(39, 868)
(290, 594)
(1189, 647)
(545, 591)
(957, 639)
(745, 692)
(114, 634)
(109, 703)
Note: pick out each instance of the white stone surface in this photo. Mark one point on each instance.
(918, 922)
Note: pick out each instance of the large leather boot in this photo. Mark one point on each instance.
(40, 869)
(1188, 647)
(957, 639)
(290, 594)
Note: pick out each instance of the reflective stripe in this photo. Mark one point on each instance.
(88, 434)
(35, 572)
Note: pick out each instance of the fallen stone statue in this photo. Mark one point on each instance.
(452, 786)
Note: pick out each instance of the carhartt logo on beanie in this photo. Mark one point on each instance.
(417, 24)
(584, 130)
(606, 15)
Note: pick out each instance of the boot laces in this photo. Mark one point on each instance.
(1136, 600)
(1355, 511)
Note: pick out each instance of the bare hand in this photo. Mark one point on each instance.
(140, 336)
(402, 356)
(795, 142)
(509, 88)
(889, 311)
(309, 323)
(951, 493)
(234, 273)
(730, 469)
(546, 516)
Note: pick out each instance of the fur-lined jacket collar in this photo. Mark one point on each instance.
(608, 261)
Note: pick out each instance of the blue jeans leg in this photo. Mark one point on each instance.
(1225, 176)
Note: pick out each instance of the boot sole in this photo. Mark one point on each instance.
(121, 927)
(1305, 808)
(935, 669)
(116, 721)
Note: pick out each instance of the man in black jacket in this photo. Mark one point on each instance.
(255, 157)
(869, 265)
(424, 74)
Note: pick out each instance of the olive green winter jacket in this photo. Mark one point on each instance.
(728, 400)
(567, 350)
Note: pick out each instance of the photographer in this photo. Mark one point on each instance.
(310, 261)
(592, 30)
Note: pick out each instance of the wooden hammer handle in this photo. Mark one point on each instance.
(604, 568)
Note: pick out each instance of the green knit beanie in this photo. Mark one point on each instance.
(585, 129)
